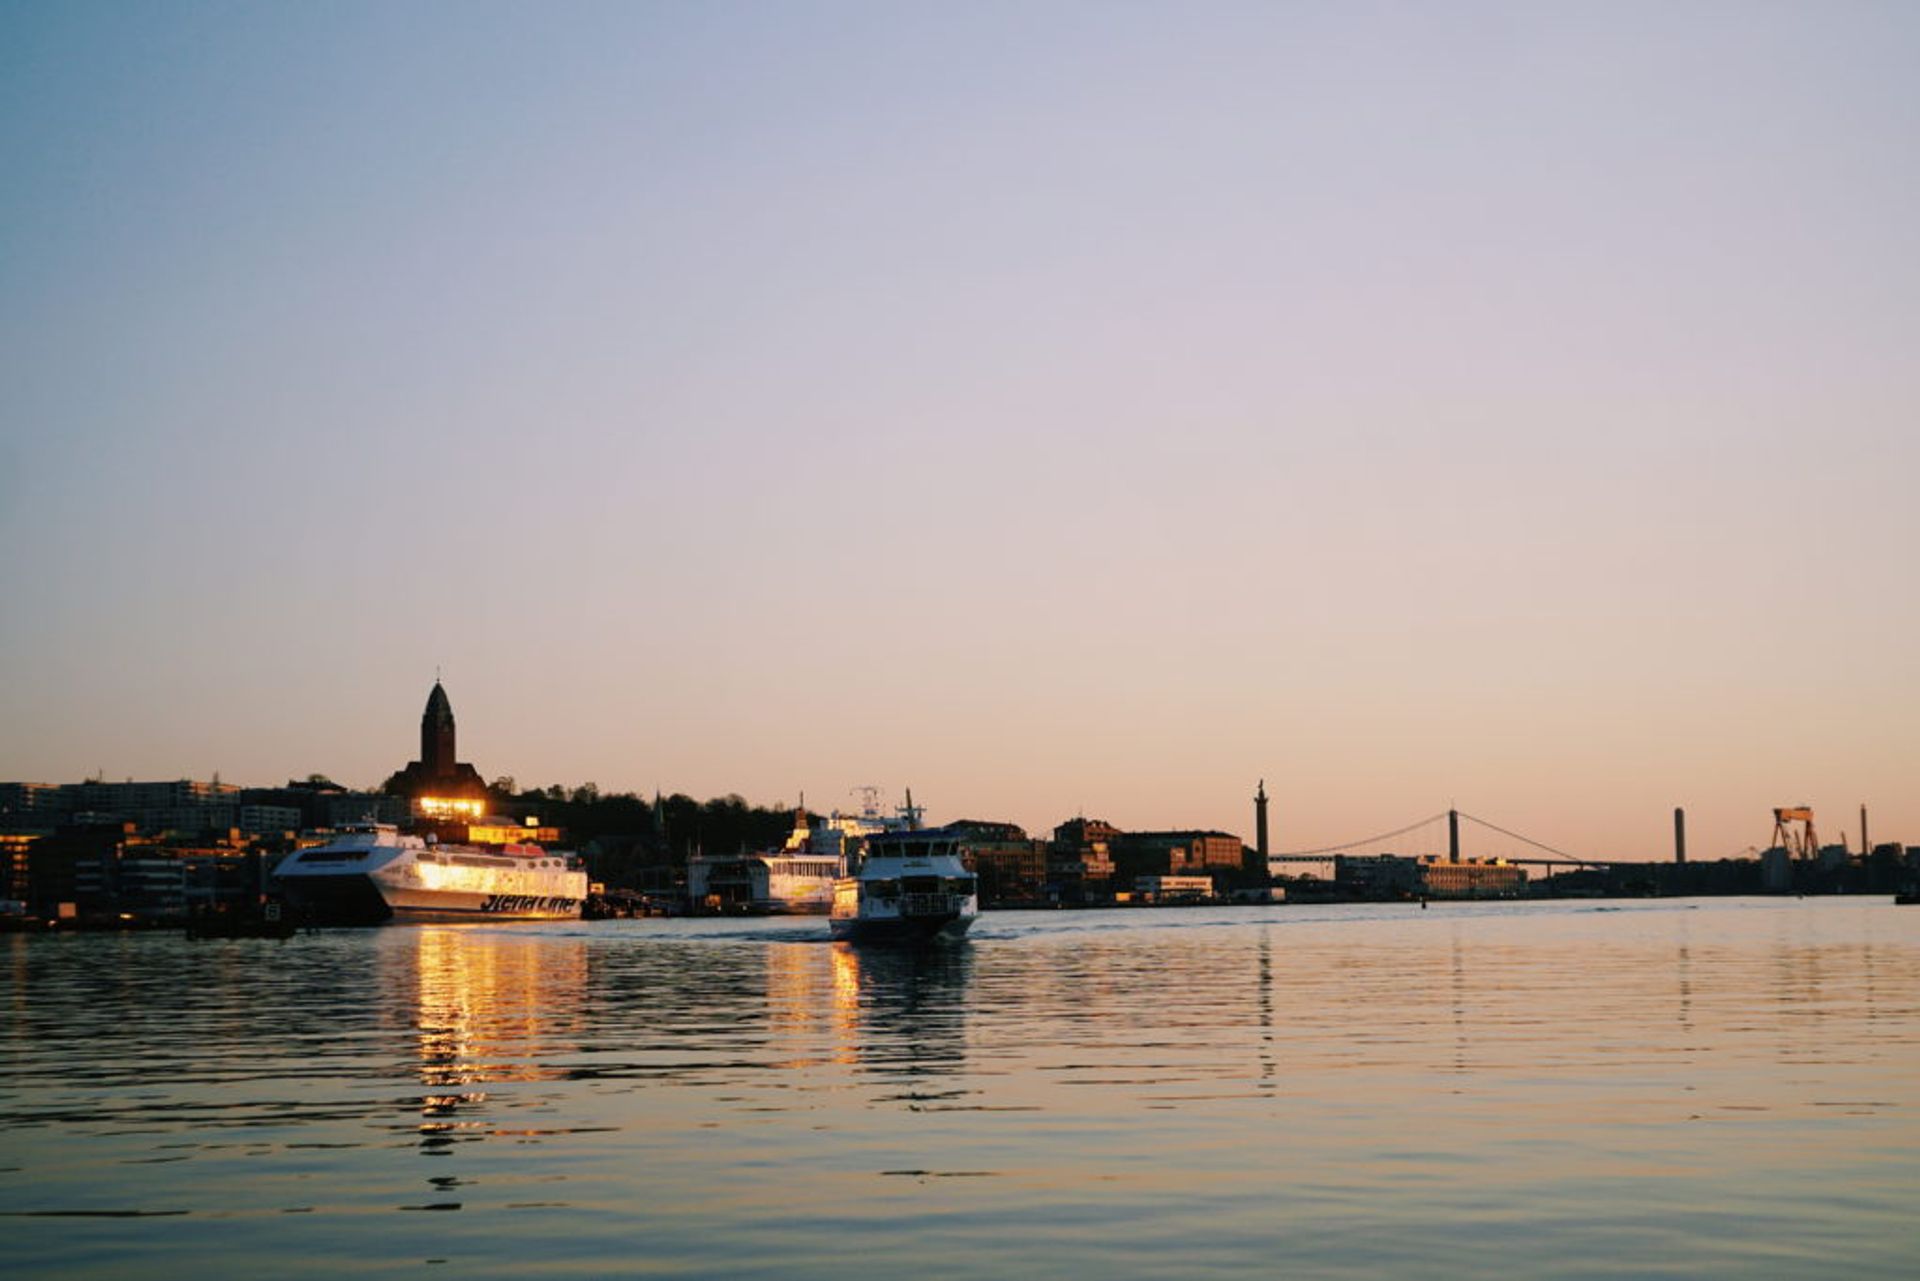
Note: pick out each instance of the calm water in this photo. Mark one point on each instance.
(1705, 1088)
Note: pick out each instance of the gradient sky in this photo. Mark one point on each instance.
(1054, 408)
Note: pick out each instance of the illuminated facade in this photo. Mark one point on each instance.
(1173, 889)
(1471, 878)
(440, 785)
(1401, 876)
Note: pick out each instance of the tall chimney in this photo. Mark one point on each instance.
(1865, 848)
(1453, 836)
(1679, 835)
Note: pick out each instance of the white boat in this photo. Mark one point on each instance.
(908, 887)
(372, 872)
(795, 879)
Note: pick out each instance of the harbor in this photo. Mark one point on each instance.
(1330, 1091)
(433, 845)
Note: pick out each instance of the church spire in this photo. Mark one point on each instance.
(436, 733)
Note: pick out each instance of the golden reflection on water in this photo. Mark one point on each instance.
(489, 1009)
(846, 1003)
(1723, 1090)
(800, 1000)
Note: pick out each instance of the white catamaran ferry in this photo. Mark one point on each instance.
(372, 872)
(908, 887)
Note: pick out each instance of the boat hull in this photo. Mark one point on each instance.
(336, 900)
(900, 931)
(363, 900)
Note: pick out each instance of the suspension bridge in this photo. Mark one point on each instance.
(1438, 835)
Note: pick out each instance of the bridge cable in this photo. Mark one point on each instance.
(1348, 845)
(1575, 858)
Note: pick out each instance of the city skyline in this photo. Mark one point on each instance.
(1426, 835)
(1078, 411)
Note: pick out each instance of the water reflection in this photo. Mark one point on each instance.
(902, 1011)
(491, 1007)
(1526, 1088)
(801, 1000)
(488, 1009)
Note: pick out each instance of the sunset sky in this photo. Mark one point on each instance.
(1054, 408)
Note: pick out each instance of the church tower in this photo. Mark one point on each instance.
(439, 776)
(436, 734)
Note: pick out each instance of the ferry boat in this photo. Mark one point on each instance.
(369, 873)
(908, 887)
(799, 877)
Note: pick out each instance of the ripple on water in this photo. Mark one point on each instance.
(1721, 1088)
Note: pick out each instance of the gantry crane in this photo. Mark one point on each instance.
(1801, 844)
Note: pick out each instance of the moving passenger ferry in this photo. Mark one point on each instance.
(908, 887)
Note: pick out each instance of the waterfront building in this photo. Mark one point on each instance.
(172, 804)
(23, 803)
(498, 830)
(1010, 867)
(1429, 875)
(1173, 889)
(1471, 878)
(1080, 860)
(184, 806)
(16, 863)
(320, 802)
(140, 881)
(1186, 853)
(1377, 875)
(264, 819)
(64, 873)
(438, 784)
(130, 799)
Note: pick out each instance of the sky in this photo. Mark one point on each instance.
(1054, 408)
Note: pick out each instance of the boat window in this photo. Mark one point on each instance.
(883, 889)
(333, 856)
(960, 885)
(922, 884)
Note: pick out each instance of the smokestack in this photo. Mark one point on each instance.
(1679, 835)
(1865, 848)
(1453, 836)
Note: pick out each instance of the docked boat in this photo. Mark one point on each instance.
(369, 873)
(799, 877)
(907, 887)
